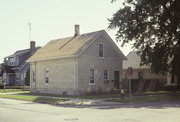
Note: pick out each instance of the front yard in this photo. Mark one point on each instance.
(33, 98)
(55, 99)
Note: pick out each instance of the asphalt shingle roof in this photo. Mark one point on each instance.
(66, 47)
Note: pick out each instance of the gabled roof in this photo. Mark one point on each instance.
(22, 52)
(19, 53)
(67, 47)
(134, 60)
(24, 55)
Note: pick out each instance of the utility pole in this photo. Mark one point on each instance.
(29, 31)
(130, 73)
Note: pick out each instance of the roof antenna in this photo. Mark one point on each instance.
(29, 31)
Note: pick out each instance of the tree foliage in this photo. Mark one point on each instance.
(154, 27)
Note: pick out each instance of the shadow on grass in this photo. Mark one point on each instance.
(102, 96)
(149, 105)
(157, 101)
(49, 100)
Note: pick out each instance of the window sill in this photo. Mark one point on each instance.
(92, 84)
(101, 57)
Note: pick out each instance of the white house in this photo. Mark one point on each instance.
(81, 64)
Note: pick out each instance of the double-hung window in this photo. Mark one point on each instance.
(12, 61)
(101, 50)
(92, 78)
(106, 76)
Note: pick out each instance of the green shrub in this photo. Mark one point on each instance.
(1, 86)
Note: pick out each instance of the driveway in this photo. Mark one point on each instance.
(23, 111)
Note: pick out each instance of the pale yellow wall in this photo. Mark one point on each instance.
(147, 74)
(61, 76)
(89, 59)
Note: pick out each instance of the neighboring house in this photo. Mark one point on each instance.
(14, 67)
(0, 74)
(81, 64)
(142, 79)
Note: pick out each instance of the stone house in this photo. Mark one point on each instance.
(80, 64)
(15, 67)
(142, 78)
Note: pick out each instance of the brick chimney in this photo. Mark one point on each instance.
(32, 45)
(77, 30)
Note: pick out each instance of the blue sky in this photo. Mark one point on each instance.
(51, 19)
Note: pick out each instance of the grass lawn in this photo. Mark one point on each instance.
(12, 90)
(104, 96)
(137, 98)
(75, 96)
(158, 93)
(33, 98)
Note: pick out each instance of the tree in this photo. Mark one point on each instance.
(27, 78)
(153, 26)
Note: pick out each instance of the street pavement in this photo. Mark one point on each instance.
(24, 111)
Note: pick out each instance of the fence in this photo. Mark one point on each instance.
(27, 88)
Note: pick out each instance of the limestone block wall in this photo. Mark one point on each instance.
(61, 76)
(89, 59)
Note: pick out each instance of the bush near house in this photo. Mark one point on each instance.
(1, 86)
(1, 83)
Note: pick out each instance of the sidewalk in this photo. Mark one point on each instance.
(75, 101)
(89, 102)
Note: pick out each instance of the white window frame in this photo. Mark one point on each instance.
(90, 76)
(24, 74)
(107, 74)
(12, 61)
(106, 81)
(99, 50)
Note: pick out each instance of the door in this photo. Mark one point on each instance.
(116, 79)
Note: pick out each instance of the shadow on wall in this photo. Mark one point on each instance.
(144, 85)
